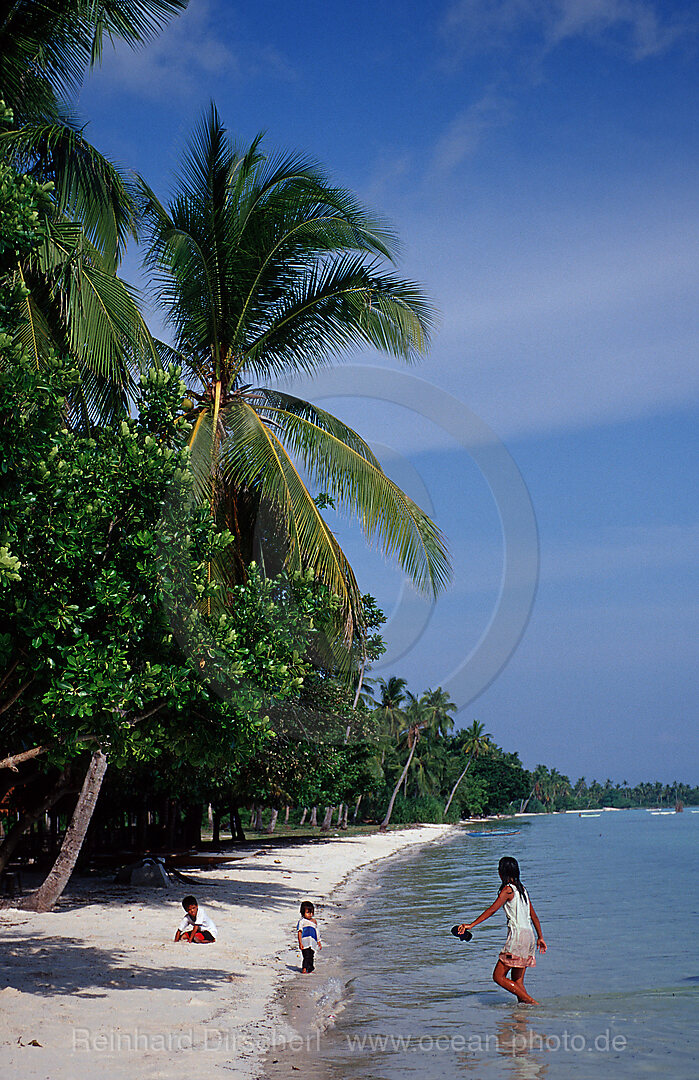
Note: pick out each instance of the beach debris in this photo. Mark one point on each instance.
(148, 871)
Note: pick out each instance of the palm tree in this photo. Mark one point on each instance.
(45, 50)
(431, 756)
(415, 723)
(476, 742)
(265, 269)
(541, 784)
(76, 303)
(428, 713)
(393, 693)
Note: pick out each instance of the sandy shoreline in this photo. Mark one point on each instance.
(101, 986)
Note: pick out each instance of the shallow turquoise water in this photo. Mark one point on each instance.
(618, 988)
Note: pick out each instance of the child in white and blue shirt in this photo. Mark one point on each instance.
(308, 936)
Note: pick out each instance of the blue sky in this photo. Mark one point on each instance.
(539, 160)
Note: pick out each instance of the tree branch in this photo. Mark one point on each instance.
(9, 672)
(18, 759)
(8, 704)
(14, 760)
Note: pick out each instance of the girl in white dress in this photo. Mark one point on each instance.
(519, 951)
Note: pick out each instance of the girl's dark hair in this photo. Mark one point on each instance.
(508, 869)
(188, 901)
(307, 906)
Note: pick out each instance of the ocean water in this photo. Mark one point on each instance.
(618, 989)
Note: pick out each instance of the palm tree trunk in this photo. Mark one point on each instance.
(525, 802)
(359, 683)
(273, 821)
(327, 820)
(401, 778)
(303, 815)
(356, 808)
(314, 816)
(47, 894)
(453, 790)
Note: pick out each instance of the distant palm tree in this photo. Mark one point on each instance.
(393, 693)
(541, 784)
(426, 713)
(476, 742)
(265, 269)
(431, 756)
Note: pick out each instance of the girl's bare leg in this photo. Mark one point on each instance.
(514, 986)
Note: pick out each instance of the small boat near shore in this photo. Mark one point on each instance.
(494, 832)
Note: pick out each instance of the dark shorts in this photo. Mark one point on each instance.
(308, 958)
(203, 935)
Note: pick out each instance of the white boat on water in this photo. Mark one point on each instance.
(661, 813)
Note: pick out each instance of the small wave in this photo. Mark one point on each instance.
(330, 998)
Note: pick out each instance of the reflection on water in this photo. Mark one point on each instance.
(516, 1041)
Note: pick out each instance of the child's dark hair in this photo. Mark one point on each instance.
(188, 901)
(508, 869)
(306, 906)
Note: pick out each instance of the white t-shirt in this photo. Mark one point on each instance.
(202, 921)
(309, 934)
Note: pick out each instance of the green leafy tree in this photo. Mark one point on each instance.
(504, 778)
(106, 653)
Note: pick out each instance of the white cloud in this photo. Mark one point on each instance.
(172, 65)
(564, 315)
(606, 555)
(641, 26)
(463, 135)
(616, 551)
(189, 54)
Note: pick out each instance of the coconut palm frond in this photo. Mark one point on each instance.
(87, 187)
(253, 455)
(264, 268)
(104, 326)
(45, 48)
(268, 402)
(361, 488)
(340, 304)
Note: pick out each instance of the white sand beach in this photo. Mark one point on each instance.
(99, 987)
